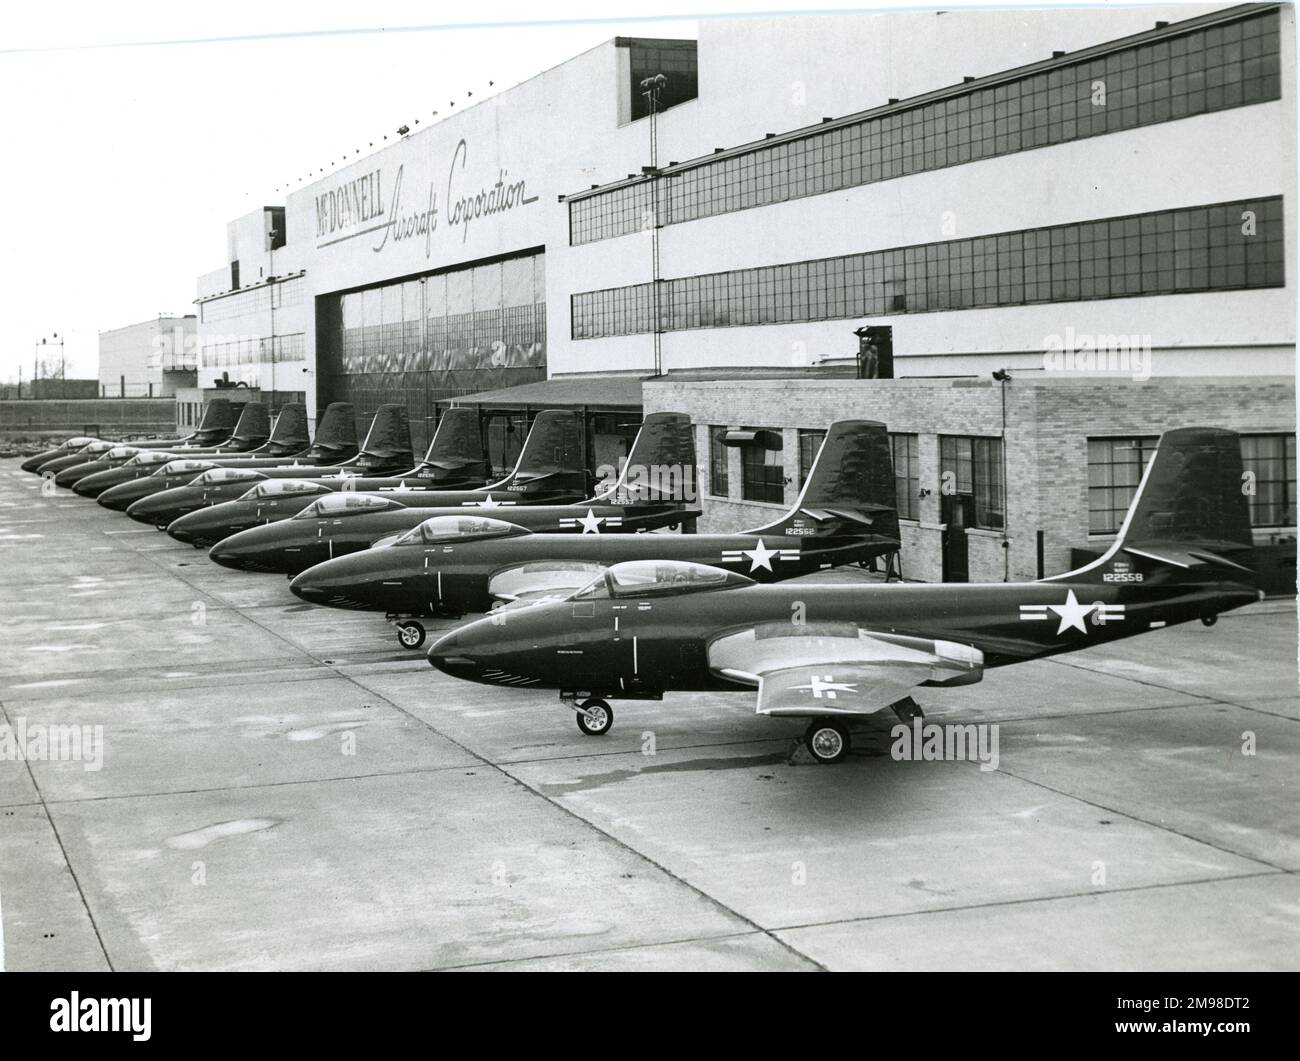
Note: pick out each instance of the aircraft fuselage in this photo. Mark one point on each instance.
(644, 646)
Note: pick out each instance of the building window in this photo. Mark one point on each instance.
(810, 443)
(1115, 467)
(1271, 458)
(763, 470)
(719, 483)
(907, 479)
(1175, 74)
(675, 59)
(1202, 248)
(972, 467)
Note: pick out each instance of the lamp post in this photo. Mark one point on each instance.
(270, 280)
(651, 87)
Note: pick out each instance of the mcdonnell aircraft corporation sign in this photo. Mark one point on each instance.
(397, 210)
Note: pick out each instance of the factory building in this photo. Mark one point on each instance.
(152, 359)
(1027, 241)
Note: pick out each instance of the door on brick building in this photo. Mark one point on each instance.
(956, 511)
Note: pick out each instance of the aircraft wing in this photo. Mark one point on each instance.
(837, 670)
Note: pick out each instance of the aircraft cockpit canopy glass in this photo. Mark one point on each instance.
(227, 475)
(180, 467)
(118, 452)
(147, 457)
(451, 528)
(80, 442)
(285, 487)
(637, 578)
(642, 578)
(345, 503)
(97, 447)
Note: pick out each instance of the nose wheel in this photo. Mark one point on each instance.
(827, 740)
(595, 717)
(410, 634)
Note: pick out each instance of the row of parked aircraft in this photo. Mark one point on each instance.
(580, 598)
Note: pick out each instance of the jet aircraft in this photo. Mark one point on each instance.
(653, 490)
(836, 653)
(845, 513)
(215, 427)
(455, 460)
(335, 444)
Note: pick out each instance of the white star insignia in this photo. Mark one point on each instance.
(760, 556)
(825, 685)
(488, 503)
(591, 523)
(1072, 613)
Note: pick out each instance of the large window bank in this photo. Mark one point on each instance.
(428, 338)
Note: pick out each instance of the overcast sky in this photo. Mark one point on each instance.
(131, 136)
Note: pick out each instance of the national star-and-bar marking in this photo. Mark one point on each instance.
(825, 686)
(759, 556)
(590, 523)
(1072, 613)
(487, 502)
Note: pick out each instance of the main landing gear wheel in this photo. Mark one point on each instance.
(827, 740)
(595, 717)
(410, 634)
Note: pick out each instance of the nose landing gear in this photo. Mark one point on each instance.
(594, 717)
(410, 634)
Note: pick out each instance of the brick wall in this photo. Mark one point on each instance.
(1048, 423)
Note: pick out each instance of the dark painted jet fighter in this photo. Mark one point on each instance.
(549, 468)
(336, 443)
(288, 437)
(456, 564)
(214, 427)
(455, 460)
(145, 462)
(90, 452)
(112, 458)
(175, 471)
(653, 490)
(67, 446)
(837, 653)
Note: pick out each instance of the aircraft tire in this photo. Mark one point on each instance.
(605, 717)
(827, 740)
(410, 634)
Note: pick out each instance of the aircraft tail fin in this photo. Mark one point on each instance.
(218, 420)
(849, 489)
(1190, 511)
(388, 442)
(254, 425)
(456, 450)
(289, 433)
(336, 433)
(660, 467)
(551, 459)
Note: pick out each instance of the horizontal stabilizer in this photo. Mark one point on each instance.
(1167, 553)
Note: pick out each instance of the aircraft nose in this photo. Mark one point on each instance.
(448, 654)
(144, 510)
(309, 585)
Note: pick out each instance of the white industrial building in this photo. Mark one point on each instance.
(1091, 203)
